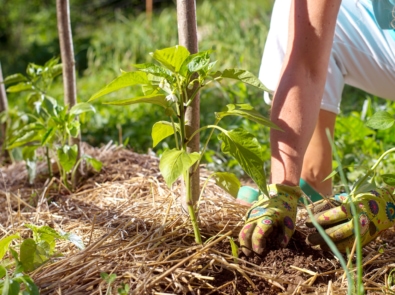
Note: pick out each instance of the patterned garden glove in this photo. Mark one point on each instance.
(271, 218)
(375, 211)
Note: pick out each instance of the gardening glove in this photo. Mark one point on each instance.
(375, 211)
(271, 220)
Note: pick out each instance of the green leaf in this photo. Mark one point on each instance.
(243, 76)
(3, 271)
(96, 164)
(67, 156)
(155, 70)
(6, 285)
(160, 131)
(235, 250)
(196, 62)
(381, 120)
(248, 112)
(15, 78)
(75, 239)
(174, 163)
(5, 243)
(158, 99)
(73, 128)
(245, 148)
(172, 57)
(109, 279)
(365, 183)
(389, 178)
(80, 108)
(31, 287)
(49, 134)
(32, 255)
(23, 86)
(14, 288)
(125, 80)
(46, 234)
(228, 182)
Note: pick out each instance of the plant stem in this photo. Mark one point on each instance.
(48, 162)
(175, 132)
(191, 209)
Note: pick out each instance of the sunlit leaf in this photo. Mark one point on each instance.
(23, 86)
(5, 243)
(75, 239)
(245, 148)
(248, 112)
(172, 57)
(67, 156)
(160, 131)
(125, 80)
(174, 163)
(228, 182)
(157, 99)
(389, 178)
(243, 76)
(32, 254)
(381, 120)
(96, 164)
(80, 108)
(15, 78)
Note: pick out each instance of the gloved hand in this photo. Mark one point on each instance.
(375, 211)
(271, 217)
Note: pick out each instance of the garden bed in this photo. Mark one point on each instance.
(132, 226)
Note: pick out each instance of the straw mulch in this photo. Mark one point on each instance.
(132, 226)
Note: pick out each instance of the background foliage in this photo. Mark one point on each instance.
(113, 35)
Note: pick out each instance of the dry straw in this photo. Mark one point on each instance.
(132, 226)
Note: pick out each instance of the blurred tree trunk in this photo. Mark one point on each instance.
(3, 108)
(69, 82)
(187, 36)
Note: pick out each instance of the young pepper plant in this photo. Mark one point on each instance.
(48, 124)
(166, 83)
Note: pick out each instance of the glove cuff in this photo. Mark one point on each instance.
(294, 192)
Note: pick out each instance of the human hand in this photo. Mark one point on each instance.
(271, 217)
(375, 211)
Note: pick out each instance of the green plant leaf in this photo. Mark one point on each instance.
(389, 178)
(248, 112)
(196, 62)
(174, 163)
(109, 279)
(244, 147)
(32, 254)
(15, 78)
(160, 131)
(23, 86)
(46, 234)
(67, 156)
(172, 57)
(3, 271)
(243, 76)
(75, 239)
(6, 285)
(80, 108)
(365, 183)
(228, 182)
(155, 70)
(235, 250)
(96, 164)
(381, 120)
(48, 135)
(31, 287)
(158, 99)
(125, 80)
(5, 243)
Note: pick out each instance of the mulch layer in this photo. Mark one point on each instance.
(132, 226)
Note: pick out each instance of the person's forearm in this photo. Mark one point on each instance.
(298, 96)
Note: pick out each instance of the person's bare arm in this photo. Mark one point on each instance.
(298, 97)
